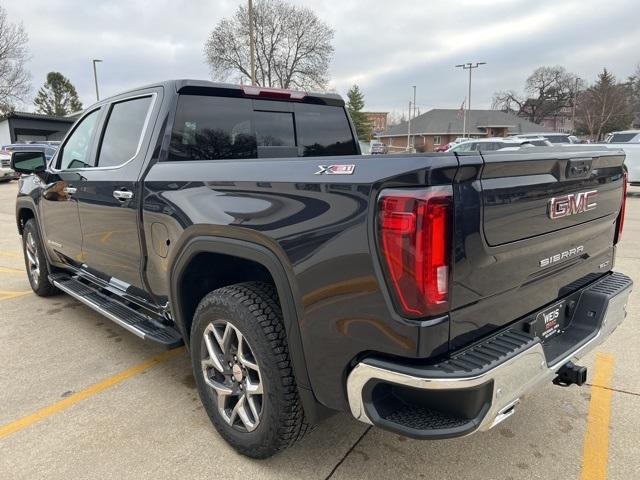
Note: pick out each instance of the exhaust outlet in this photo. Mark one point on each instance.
(571, 374)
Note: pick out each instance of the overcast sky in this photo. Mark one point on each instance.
(384, 46)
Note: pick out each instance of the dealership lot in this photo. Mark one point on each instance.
(82, 397)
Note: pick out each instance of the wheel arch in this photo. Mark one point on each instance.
(283, 280)
(24, 212)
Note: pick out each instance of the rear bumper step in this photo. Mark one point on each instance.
(137, 323)
(479, 387)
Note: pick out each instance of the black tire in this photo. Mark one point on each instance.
(253, 310)
(38, 278)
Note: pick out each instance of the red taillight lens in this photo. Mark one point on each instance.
(414, 228)
(623, 206)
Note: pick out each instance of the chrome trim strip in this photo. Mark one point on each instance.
(512, 380)
(100, 310)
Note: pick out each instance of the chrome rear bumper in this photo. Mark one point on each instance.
(508, 381)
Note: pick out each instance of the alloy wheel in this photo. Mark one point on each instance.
(31, 250)
(231, 370)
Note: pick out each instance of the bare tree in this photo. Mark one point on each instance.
(508, 101)
(14, 77)
(547, 91)
(395, 118)
(634, 91)
(293, 46)
(604, 107)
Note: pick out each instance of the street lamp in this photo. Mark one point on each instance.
(252, 45)
(468, 66)
(95, 77)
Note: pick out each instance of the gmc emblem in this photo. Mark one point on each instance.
(572, 204)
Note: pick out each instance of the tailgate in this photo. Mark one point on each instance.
(518, 191)
(545, 227)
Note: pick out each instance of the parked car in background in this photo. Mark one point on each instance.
(629, 142)
(48, 148)
(535, 141)
(555, 138)
(6, 173)
(379, 148)
(625, 136)
(490, 145)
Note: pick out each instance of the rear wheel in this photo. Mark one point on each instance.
(36, 262)
(243, 371)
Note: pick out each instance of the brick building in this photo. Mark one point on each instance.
(378, 121)
(441, 126)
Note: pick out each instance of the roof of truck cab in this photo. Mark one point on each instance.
(185, 85)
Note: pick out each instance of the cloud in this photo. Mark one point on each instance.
(384, 46)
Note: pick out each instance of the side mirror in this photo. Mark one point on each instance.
(28, 162)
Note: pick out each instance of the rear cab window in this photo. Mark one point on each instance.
(210, 128)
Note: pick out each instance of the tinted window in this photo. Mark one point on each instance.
(212, 128)
(75, 152)
(274, 129)
(123, 132)
(558, 139)
(487, 146)
(622, 137)
(323, 130)
(230, 128)
(463, 147)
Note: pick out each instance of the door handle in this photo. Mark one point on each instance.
(122, 194)
(69, 190)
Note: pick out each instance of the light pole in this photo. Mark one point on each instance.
(409, 128)
(95, 77)
(252, 50)
(573, 108)
(469, 66)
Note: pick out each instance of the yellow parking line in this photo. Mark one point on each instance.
(595, 452)
(45, 412)
(9, 254)
(4, 295)
(11, 270)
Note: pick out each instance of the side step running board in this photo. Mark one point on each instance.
(141, 325)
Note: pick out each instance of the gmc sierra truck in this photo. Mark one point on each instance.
(426, 294)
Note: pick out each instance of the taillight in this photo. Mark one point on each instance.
(620, 221)
(414, 228)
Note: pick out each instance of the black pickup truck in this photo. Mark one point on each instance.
(426, 294)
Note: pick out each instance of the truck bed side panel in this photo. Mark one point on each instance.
(321, 225)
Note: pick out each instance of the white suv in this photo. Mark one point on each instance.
(490, 145)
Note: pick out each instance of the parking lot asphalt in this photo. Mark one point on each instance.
(81, 397)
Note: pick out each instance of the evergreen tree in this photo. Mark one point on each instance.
(355, 104)
(57, 96)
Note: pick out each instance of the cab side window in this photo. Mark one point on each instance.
(124, 129)
(77, 149)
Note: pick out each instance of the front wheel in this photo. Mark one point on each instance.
(243, 371)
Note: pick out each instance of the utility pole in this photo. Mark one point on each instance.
(252, 42)
(469, 66)
(464, 117)
(573, 108)
(413, 143)
(414, 101)
(409, 128)
(95, 77)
